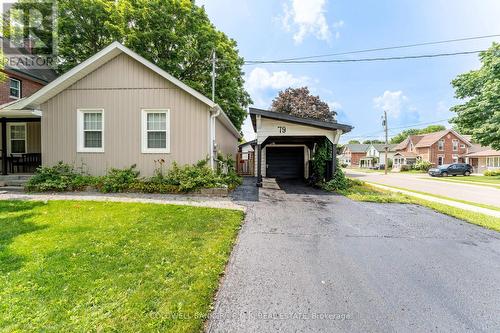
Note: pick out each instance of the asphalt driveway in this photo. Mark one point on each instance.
(313, 262)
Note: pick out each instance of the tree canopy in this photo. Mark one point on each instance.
(301, 103)
(479, 115)
(416, 131)
(373, 141)
(176, 35)
(354, 142)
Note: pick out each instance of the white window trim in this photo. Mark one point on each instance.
(144, 136)
(9, 143)
(454, 158)
(441, 148)
(80, 134)
(453, 144)
(20, 88)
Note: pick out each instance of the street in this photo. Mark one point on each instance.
(424, 183)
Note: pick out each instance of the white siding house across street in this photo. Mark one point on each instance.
(286, 144)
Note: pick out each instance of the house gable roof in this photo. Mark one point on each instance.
(431, 138)
(381, 147)
(297, 120)
(93, 63)
(357, 147)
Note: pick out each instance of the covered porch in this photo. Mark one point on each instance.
(403, 158)
(20, 142)
(368, 162)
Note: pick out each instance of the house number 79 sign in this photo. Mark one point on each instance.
(282, 129)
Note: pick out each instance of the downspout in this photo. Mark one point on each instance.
(214, 113)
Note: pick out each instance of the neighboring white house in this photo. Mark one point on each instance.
(375, 155)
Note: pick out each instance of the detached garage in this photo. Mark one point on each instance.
(285, 144)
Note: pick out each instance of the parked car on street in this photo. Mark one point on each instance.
(454, 169)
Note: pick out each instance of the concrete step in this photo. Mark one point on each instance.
(15, 177)
(11, 189)
(14, 182)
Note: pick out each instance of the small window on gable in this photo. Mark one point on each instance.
(15, 88)
(441, 144)
(156, 131)
(90, 130)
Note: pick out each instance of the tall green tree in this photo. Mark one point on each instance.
(400, 137)
(176, 35)
(480, 114)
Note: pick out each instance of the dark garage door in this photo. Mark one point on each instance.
(285, 162)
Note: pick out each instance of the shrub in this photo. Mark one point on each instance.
(149, 186)
(339, 182)
(422, 165)
(405, 167)
(63, 177)
(194, 177)
(118, 180)
(60, 177)
(491, 173)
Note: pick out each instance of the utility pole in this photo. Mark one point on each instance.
(386, 141)
(214, 60)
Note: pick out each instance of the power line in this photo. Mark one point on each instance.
(420, 56)
(389, 48)
(372, 134)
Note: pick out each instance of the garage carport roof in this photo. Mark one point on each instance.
(297, 120)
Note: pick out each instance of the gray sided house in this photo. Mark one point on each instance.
(117, 109)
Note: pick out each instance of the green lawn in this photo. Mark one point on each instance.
(69, 266)
(369, 193)
(493, 181)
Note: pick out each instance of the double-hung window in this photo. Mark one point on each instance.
(15, 88)
(90, 130)
(155, 131)
(455, 145)
(17, 138)
(441, 145)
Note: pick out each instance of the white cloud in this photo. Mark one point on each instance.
(306, 17)
(260, 79)
(390, 101)
(334, 105)
(260, 82)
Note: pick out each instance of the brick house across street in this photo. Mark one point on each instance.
(438, 148)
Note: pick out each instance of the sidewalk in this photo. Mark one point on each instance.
(452, 203)
(165, 199)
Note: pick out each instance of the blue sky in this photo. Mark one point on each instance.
(413, 91)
